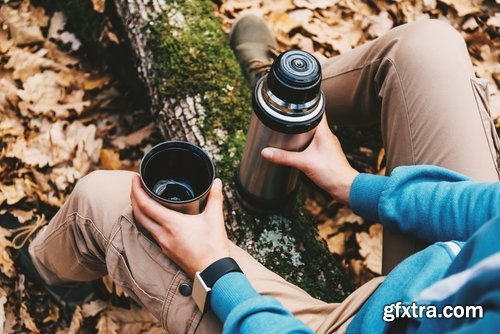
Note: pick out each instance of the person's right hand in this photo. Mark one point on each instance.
(323, 161)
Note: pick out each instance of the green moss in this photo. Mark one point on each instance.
(192, 58)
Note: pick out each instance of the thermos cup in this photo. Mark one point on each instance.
(178, 175)
(288, 105)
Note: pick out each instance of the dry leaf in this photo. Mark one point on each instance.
(76, 321)
(22, 28)
(53, 314)
(6, 263)
(94, 307)
(98, 5)
(463, 7)
(380, 24)
(27, 320)
(107, 325)
(3, 318)
(315, 4)
(21, 215)
(370, 247)
(110, 159)
(134, 138)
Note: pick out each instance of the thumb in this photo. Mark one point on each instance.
(215, 198)
(282, 157)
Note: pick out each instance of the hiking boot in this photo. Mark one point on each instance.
(254, 46)
(67, 295)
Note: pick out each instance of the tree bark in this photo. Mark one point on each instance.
(197, 93)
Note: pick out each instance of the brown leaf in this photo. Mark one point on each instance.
(27, 320)
(110, 159)
(315, 4)
(98, 5)
(463, 7)
(5, 42)
(134, 138)
(21, 25)
(3, 318)
(107, 325)
(76, 321)
(370, 247)
(6, 263)
(93, 308)
(21, 215)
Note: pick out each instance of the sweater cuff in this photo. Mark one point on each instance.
(365, 195)
(228, 292)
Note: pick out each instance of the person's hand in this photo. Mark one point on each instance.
(192, 241)
(323, 161)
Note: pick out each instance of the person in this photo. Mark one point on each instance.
(442, 188)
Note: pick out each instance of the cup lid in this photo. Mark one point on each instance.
(295, 77)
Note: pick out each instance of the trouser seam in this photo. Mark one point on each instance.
(59, 229)
(352, 69)
(491, 149)
(113, 248)
(412, 147)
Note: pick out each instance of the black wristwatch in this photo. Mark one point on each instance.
(205, 280)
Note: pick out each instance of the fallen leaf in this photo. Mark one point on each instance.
(76, 321)
(21, 26)
(134, 138)
(3, 318)
(91, 309)
(380, 24)
(6, 263)
(107, 325)
(98, 5)
(315, 4)
(22, 215)
(27, 320)
(370, 247)
(463, 7)
(110, 159)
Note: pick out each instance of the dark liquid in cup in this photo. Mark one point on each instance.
(174, 190)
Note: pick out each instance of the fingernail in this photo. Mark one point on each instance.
(268, 152)
(217, 183)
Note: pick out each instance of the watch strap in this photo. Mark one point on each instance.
(218, 269)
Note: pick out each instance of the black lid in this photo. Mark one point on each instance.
(295, 77)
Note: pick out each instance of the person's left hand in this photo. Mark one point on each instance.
(192, 241)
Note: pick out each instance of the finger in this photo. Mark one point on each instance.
(282, 157)
(150, 207)
(150, 225)
(215, 200)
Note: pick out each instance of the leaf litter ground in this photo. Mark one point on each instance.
(62, 117)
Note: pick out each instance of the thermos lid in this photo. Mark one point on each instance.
(295, 77)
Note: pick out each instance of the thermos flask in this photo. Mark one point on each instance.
(288, 104)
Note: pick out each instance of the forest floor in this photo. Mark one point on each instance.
(62, 116)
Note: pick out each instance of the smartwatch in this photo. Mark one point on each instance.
(205, 280)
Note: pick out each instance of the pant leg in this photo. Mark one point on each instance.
(418, 82)
(94, 233)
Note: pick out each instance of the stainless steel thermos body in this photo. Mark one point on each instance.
(288, 105)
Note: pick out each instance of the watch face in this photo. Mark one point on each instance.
(200, 292)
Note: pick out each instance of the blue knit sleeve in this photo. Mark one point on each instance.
(244, 310)
(431, 203)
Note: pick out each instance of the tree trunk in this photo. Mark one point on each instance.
(197, 92)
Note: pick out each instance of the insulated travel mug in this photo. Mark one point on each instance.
(178, 175)
(288, 104)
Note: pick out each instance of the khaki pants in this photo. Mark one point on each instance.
(417, 80)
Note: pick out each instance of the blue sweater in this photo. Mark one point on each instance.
(431, 203)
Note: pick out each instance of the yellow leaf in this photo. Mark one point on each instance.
(27, 320)
(98, 5)
(6, 263)
(107, 325)
(110, 159)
